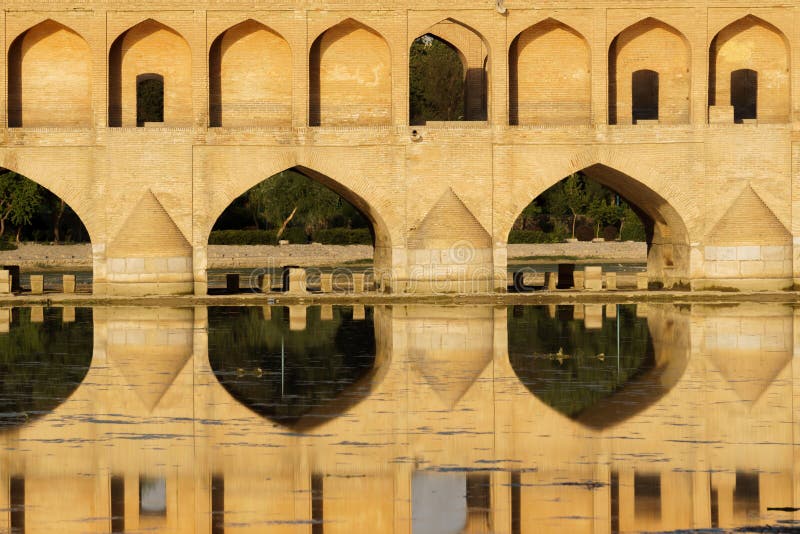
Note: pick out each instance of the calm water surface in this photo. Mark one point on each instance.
(413, 419)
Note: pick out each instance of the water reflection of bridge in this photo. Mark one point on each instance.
(152, 438)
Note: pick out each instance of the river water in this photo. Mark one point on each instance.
(406, 418)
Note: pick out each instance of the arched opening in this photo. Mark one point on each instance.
(649, 46)
(46, 356)
(350, 77)
(544, 90)
(49, 78)
(150, 49)
(448, 75)
(248, 85)
(149, 99)
(741, 54)
(290, 214)
(600, 203)
(598, 364)
(744, 94)
(297, 378)
(644, 91)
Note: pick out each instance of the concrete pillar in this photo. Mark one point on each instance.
(297, 318)
(641, 281)
(550, 281)
(593, 278)
(37, 314)
(358, 282)
(578, 277)
(266, 312)
(5, 282)
(37, 284)
(5, 320)
(68, 314)
(611, 311)
(265, 283)
(359, 312)
(68, 283)
(611, 281)
(297, 281)
(326, 282)
(593, 316)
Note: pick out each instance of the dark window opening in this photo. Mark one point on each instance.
(746, 496)
(744, 94)
(17, 502)
(217, 504)
(479, 505)
(316, 504)
(644, 92)
(117, 504)
(149, 98)
(647, 496)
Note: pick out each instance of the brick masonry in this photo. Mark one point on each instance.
(323, 87)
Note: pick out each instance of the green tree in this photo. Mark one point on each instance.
(569, 197)
(603, 211)
(436, 81)
(19, 200)
(291, 197)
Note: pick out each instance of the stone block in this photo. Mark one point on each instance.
(37, 314)
(774, 253)
(68, 314)
(265, 283)
(359, 312)
(611, 281)
(748, 253)
(326, 282)
(232, 282)
(726, 253)
(297, 317)
(578, 312)
(642, 281)
(720, 114)
(177, 265)
(611, 311)
(751, 268)
(358, 282)
(68, 283)
(37, 284)
(297, 281)
(134, 265)
(5, 320)
(579, 277)
(593, 278)
(727, 268)
(550, 281)
(5, 288)
(593, 316)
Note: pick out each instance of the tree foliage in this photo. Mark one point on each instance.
(436, 81)
(19, 200)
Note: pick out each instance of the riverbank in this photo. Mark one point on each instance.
(79, 257)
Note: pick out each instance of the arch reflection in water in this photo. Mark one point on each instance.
(298, 367)
(44, 355)
(596, 364)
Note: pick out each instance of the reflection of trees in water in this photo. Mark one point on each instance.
(41, 364)
(319, 364)
(572, 368)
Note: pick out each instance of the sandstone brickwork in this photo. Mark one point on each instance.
(689, 111)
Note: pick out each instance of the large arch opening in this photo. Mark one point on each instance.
(297, 377)
(741, 54)
(601, 203)
(543, 90)
(149, 48)
(350, 76)
(46, 355)
(648, 56)
(598, 365)
(448, 75)
(248, 66)
(290, 214)
(49, 78)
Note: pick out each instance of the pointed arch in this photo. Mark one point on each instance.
(543, 90)
(650, 45)
(150, 47)
(350, 76)
(248, 66)
(49, 78)
(473, 49)
(749, 64)
(656, 203)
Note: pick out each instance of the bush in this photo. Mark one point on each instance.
(6, 244)
(584, 233)
(295, 235)
(633, 230)
(242, 237)
(534, 236)
(343, 236)
(610, 233)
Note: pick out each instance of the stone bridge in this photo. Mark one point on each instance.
(689, 112)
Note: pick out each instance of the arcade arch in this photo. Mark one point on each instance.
(154, 49)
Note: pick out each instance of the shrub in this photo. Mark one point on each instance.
(295, 235)
(242, 237)
(6, 244)
(533, 236)
(610, 233)
(584, 233)
(343, 236)
(633, 230)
